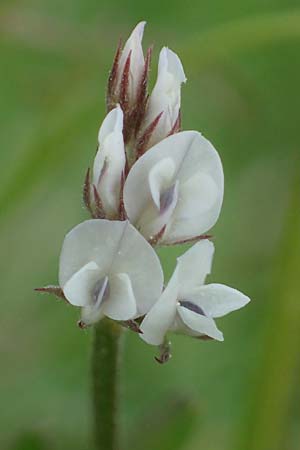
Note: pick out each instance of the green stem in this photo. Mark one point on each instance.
(105, 377)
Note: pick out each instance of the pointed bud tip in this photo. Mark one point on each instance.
(170, 61)
(139, 28)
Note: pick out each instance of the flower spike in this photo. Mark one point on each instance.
(150, 185)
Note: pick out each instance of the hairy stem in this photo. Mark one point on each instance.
(105, 378)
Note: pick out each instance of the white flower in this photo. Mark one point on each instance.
(178, 183)
(187, 305)
(109, 162)
(109, 269)
(165, 97)
(133, 47)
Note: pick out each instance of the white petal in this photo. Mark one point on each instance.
(109, 162)
(137, 258)
(153, 221)
(195, 159)
(116, 247)
(200, 324)
(94, 312)
(193, 267)
(91, 315)
(133, 45)
(165, 96)
(201, 191)
(101, 291)
(170, 63)
(217, 300)
(196, 205)
(92, 240)
(159, 178)
(113, 122)
(121, 303)
(79, 288)
(162, 315)
(156, 214)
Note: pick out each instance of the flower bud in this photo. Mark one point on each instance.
(165, 97)
(127, 71)
(109, 162)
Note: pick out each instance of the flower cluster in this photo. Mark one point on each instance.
(151, 184)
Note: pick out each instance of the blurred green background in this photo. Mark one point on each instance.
(243, 68)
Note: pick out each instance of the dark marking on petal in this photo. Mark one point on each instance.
(101, 287)
(103, 171)
(166, 199)
(192, 307)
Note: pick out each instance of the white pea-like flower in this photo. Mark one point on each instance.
(177, 184)
(110, 161)
(109, 269)
(134, 51)
(187, 305)
(166, 95)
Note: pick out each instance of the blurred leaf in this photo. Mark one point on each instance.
(167, 428)
(30, 441)
(268, 425)
(241, 36)
(50, 151)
